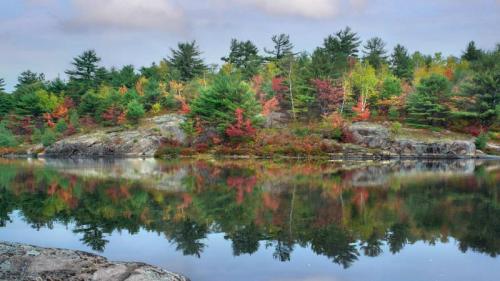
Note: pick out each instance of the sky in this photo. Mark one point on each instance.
(44, 35)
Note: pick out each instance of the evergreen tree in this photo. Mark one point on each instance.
(85, 75)
(427, 106)
(124, 77)
(333, 58)
(282, 47)
(244, 55)
(186, 61)
(374, 52)
(217, 104)
(401, 63)
(6, 104)
(2, 85)
(28, 78)
(472, 53)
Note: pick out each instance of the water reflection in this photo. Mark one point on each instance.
(339, 210)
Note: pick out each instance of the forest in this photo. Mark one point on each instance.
(344, 80)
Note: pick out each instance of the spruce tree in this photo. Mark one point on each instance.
(401, 63)
(427, 106)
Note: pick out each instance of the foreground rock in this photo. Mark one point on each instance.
(143, 142)
(376, 136)
(29, 263)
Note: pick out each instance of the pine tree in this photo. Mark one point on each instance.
(2, 85)
(29, 78)
(401, 63)
(472, 53)
(333, 58)
(186, 61)
(374, 52)
(86, 75)
(282, 47)
(244, 55)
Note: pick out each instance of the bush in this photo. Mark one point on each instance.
(7, 139)
(135, 111)
(61, 126)
(48, 137)
(393, 113)
(482, 140)
(396, 128)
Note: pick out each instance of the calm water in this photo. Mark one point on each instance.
(253, 220)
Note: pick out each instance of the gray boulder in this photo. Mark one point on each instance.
(141, 142)
(370, 135)
(29, 263)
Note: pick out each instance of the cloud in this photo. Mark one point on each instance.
(313, 9)
(163, 15)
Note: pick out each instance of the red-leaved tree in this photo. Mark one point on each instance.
(114, 116)
(329, 95)
(279, 87)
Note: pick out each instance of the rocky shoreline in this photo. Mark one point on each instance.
(30, 263)
(369, 141)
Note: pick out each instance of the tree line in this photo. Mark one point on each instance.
(343, 78)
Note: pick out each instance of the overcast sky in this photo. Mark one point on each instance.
(44, 35)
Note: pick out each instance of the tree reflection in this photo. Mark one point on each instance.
(335, 212)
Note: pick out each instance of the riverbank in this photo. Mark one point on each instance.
(26, 263)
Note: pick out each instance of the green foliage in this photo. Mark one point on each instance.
(393, 113)
(217, 103)
(7, 139)
(282, 47)
(244, 55)
(61, 126)
(186, 61)
(135, 111)
(85, 75)
(427, 106)
(332, 59)
(48, 137)
(472, 53)
(124, 77)
(374, 52)
(482, 141)
(396, 128)
(391, 87)
(28, 77)
(6, 104)
(401, 63)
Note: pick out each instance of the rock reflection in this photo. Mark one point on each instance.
(339, 210)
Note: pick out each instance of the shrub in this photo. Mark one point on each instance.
(7, 139)
(135, 111)
(482, 140)
(61, 126)
(396, 128)
(156, 108)
(393, 113)
(48, 137)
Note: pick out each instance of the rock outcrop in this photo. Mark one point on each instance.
(29, 263)
(142, 142)
(377, 136)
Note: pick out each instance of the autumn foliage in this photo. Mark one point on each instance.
(242, 128)
(362, 111)
(329, 95)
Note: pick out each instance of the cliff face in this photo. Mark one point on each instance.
(29, 263)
